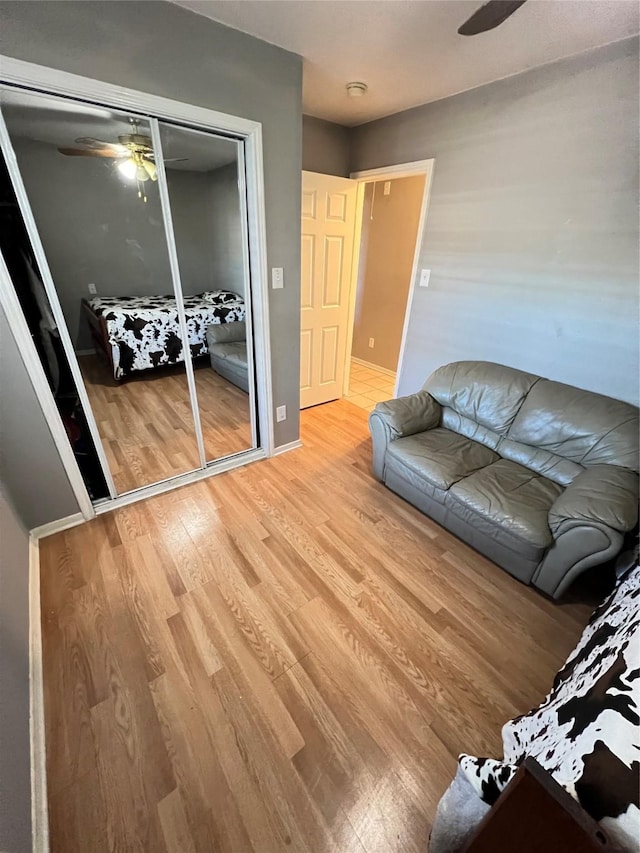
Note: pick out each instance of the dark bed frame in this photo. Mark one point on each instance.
(99, 335)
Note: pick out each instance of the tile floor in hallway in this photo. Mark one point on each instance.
(368, 386)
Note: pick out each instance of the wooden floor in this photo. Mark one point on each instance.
(146, 423)
(286, 657)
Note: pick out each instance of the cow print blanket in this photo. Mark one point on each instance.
(144, 331)
(585, 733)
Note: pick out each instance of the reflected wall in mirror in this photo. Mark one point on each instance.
(209, 224)
(91, 182)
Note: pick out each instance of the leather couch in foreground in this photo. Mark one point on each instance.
(540, 477)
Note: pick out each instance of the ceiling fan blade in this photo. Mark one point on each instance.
(175, 159)
(90, 152)
(90, 142)
(489, 16)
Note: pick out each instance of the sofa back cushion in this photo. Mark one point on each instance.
(544, 462)
(567, 423)
(480, 392)
(227, 333)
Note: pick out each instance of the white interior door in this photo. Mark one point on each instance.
(328, 227)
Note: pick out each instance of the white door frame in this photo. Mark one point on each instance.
(52, 81)
(399, 170)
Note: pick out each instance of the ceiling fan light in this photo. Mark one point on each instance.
(150, 169)
(142, 174)
(128, 168)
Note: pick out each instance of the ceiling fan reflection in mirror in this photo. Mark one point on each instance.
(133, 153)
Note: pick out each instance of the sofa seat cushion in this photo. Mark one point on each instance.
(439, 457)
(508, 502)
(235, 353)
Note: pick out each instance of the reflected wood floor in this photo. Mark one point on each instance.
(146, 424)
(285, 657)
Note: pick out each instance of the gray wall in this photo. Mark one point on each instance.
(531, 233)
(389, 232)
(226, 230)
(29, 463)
(205, 207)
(151, 46)
(191, 212)
(326, 147)
(15, 785)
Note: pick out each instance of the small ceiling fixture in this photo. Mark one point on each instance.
(356, 90)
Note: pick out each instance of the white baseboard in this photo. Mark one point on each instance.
(58, 526)
(285, 448)
(372, 366)
(39, 808)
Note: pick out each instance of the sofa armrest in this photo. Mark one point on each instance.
(602, 494)
(588, 521)
(409, 415)
(398, 418)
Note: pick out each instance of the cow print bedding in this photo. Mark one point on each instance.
(585, 733)
(144, 331)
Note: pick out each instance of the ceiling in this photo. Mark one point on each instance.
(60, 122)
(408, 51)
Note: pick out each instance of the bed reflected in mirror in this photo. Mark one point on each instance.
(91, 181)
(209, 226)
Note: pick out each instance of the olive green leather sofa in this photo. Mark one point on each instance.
(540, 477)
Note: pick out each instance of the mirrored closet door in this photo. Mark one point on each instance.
(209, 217)
(139, 228)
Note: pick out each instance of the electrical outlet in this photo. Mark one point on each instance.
(277, 278)
(92, 288)
(371, 343)
(281, 413)
(425, 275)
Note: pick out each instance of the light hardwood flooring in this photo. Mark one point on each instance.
(285, 657)
(146, 423)
(368, 386)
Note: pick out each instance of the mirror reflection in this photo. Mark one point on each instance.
(91, 181)
(23, 268)
(208, 223)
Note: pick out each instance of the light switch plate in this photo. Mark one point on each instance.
(281, 413)
(277, 278)
(425, 275)
(92, 288)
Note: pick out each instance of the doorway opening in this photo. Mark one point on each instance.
(361, 238)
(391, 209)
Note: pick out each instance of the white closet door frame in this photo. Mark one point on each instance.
(177, 283)
(52, 81)
(246, 267)
(65, 338)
